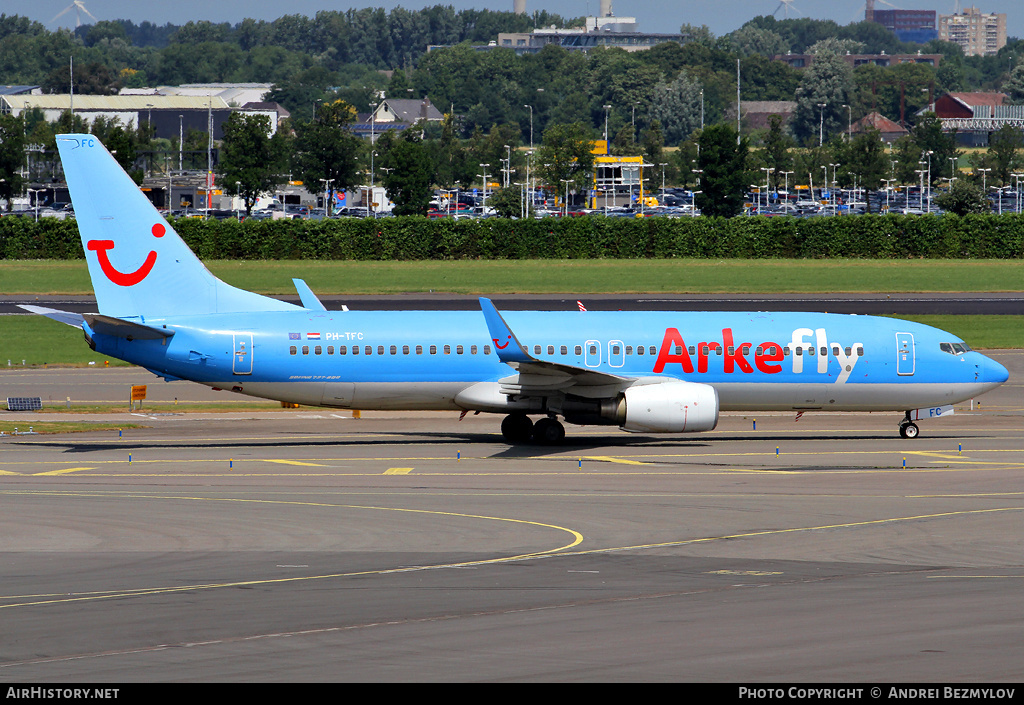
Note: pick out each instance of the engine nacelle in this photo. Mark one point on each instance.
(670, 407)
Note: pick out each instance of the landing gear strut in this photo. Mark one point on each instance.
(908, 429)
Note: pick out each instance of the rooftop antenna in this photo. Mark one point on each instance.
(79, 7)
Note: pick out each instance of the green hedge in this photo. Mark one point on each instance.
(413, 238)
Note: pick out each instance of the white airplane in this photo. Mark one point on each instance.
(652, 372)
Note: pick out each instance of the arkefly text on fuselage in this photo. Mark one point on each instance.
(160, 308)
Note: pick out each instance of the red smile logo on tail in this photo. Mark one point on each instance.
(113, 274)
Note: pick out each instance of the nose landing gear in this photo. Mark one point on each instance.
(908, 429)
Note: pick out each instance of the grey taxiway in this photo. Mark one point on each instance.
(307, 545)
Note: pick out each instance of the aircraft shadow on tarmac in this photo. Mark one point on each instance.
(572, 444)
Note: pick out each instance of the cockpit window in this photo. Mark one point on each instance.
(955, 348)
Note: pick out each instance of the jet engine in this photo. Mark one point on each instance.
(669, 407)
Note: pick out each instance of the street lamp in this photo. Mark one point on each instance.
(821, 125)
(606, 109)
(566, 182)
(849, 123)
(483, 208)
(327, 195)
(767, 186)
(786, 189)
(238, 194)
(531, 124)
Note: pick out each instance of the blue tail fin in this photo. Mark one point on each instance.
(139, 266)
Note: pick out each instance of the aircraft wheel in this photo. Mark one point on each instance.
(517, 428)
(909, 430)
(548, 432)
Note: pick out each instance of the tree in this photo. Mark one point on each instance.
(724, 180)
(408, 173)
(776, 149)
(1003, 147)
(827, 82)
(936, 147)
(864, 161)
(326, 150)
(677, 107)
(12, 156)
(566, 156)
(964, 197)
(251, 156)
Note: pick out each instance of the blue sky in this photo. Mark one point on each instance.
(721, 16)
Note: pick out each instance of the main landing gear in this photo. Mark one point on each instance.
(518, 428)
(908, 429)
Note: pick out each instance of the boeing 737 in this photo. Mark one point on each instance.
(651, 372)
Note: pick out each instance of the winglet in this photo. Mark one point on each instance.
(306, 295)
(506, 344)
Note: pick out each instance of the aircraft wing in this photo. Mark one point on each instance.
(105, 325)
(536, 376)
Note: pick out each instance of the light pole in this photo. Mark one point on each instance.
(786, 190)
(1017, 176)
(821, 124)
(920, 195)
(888, 189)
(833, 186)
(327, 195)
(238, 194)
(508, 165)
(767, 185)
(566, 182)
(531, 124)
(849, 123)
(606, 109)
(181, 138)
(663, 165)
(929, 154)
(483, 168)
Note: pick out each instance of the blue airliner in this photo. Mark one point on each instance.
(651, 372)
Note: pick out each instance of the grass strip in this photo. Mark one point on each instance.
(577, 277)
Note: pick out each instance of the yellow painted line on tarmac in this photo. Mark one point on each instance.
(65, 471)
(612, 459)
(292, 462)
(63, 598)
(398, 471)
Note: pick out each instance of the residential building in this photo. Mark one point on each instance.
(978, 33)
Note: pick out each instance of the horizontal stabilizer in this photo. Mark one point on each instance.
(306, 295)
(66, 317)
(119, 328)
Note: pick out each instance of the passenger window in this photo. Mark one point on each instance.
(447, 349)
(693, 350)
(785, 351)
(305, 350)
(293, 350)
(536, 350)
(639, 349)
(615, 349)
(823, 351)
(551, 350)
(380, 349)
(433, 350)
(593, 350)
(330, 349)
(732, 350)
(487, 350)
(848, 351)
(629, 349)
(394, 349)
(652, 351)
(679, 350)
(745, 350)
(578, 349)
(860, 351)
(472, 350)
(318, 350)
(342, 350)
(759, 351)
(355, 349)
(564, 350)
(458, 349)
(368, 350)
(419, 349)
(799, 350)
(405, 349)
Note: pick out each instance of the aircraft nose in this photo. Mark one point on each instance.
(992, 372)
